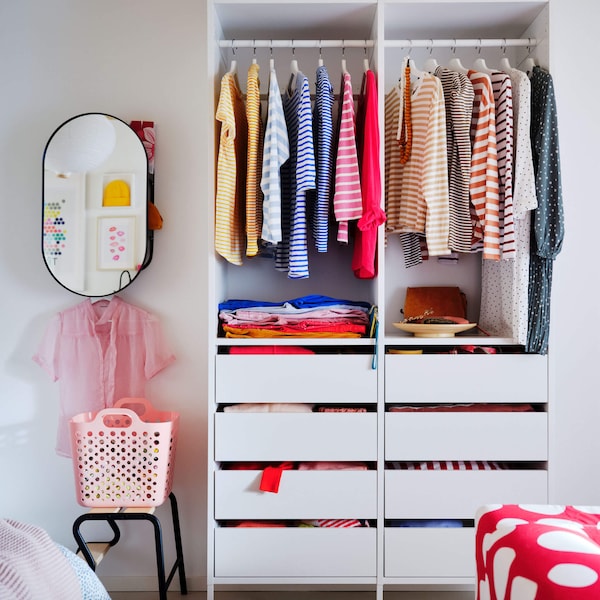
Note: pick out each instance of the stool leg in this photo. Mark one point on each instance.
(160, 558)
(178, 545)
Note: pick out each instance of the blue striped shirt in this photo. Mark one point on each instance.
(323, 136)
(297, 179)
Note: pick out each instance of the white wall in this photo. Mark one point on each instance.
(575, 443)
(140, 59)
(145, 59)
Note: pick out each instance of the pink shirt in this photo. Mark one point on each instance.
(347, 199)
(100, 352)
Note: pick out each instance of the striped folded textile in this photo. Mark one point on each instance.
(448, 465)
(338, 523)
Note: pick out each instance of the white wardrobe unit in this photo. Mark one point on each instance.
(381, 375)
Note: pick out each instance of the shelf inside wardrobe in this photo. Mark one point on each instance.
(273, 19)
(468, 19)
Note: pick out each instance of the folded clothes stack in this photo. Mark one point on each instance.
(307, 316)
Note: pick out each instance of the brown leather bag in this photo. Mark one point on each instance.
(435, 302)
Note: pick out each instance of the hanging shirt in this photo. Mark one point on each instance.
(300, 171)
(347, 199)
(276, 151)
(255, 141)
(231, 171)
(458, 98)
(503, 106)
(417, 196)
(99, 353)
(505, 284)
(484, 168)
(548, 217)
(323, 139)
(364, 263)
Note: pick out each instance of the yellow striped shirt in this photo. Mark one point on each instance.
(231, 171)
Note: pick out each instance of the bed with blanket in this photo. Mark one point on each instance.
(33, 566)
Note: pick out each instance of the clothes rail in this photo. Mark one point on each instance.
(406, 43)
(296, 43)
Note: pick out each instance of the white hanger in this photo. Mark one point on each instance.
(272, 64)
(528, 65)
(430, 65)
(294, 70)
(505, 64)
(366, 66)
(456, 65)
(344, 69)
(479, 65)
(415, 74)
(233, 67)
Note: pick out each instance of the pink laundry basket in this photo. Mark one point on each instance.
(124, 456)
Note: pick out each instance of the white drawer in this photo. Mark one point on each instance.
(330, 379)
(295, 436)
(465, 378)
(295, 552)
(503, 436)
(458, 494)
(301, 495)
(429, 552)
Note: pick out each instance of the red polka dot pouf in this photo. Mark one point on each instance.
(537, 552)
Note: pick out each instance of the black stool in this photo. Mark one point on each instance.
(94, 552)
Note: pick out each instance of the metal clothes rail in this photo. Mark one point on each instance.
(405, 43)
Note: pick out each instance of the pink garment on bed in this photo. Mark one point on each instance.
(32, 565)
(100, 352)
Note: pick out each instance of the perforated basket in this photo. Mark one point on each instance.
(124, 456)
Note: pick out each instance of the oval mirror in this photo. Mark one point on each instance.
(95, 216)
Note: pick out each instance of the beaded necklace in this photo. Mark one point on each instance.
(405, 140)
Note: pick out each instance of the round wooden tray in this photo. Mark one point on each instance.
(431, 330)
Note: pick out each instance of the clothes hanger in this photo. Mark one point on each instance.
(366, 66)
(320, 63)
(294, 69)
(504, 62)
(479, 65)
(233, 64)
(344, 68)
(431, 64)
(528, 65)
(455, 65)
(416, 74)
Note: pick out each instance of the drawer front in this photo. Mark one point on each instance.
(330, 379)
(458, 494)
(465, 378)
(295, 552)
(429, 552)
(301, 495)
(298, 436)
(466, 436)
